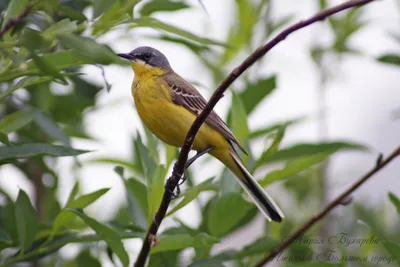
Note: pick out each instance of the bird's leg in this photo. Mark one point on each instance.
(193, 159)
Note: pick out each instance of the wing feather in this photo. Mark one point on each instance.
(184, 94)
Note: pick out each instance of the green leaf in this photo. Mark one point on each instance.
(20, 84)
(26, 220)
(15, 7)
(393, 59)
(272, 149)
(182, 241)
(225, 213)
(111, 237)
(293, 167)
(156, 24)
(64, 217)
(228, 183)
(107, 234)
(37, 149)
(191, 194)
(47, 67)
(17, 120)
(61, 60)
(101, 6)
(393, 249)
(170, 154)
(33, 40)
(71, 13)
(64, 26)
(238, 118)
(161, 5)
(256, 92)
(156, 191)
(395, 201)
(89, 48)
(310, 149)
(142, 153)
(115, 161)
(4, 139)
(85, 258)
(137, 195)
(274, 127)
(51, 128)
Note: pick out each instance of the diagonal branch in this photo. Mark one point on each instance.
(179, 167)
(343, 198)
(15, 21)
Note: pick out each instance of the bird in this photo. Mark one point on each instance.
(168, 105)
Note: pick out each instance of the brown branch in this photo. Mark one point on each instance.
(343, 198)
(15, 21)
(173, 180)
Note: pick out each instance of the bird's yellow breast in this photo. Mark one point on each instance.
(165, 119)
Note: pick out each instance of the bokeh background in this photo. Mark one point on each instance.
(333, 83)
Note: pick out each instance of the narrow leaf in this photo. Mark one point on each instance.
(156, 191)
(37, 149)
(256, 92)
(226, 212)
(17, 120)
(26, 219)
(111, 237)
(182, 241)
(161, 5)
(395, 201)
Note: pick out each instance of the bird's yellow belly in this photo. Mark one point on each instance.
(170, 122)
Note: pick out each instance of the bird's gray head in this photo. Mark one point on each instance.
(148, 55)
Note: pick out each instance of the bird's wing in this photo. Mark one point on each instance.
(185, 95)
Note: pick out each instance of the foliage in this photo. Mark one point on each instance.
(38, 124)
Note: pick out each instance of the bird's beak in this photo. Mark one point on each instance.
(126, 56)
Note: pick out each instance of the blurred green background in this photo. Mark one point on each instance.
(81, 178)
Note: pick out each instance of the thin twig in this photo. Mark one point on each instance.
(179, 167)
(338, 201)
(15, 21)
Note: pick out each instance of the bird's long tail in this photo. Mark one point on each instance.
(263, 201)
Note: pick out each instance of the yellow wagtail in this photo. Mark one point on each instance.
(168, 105)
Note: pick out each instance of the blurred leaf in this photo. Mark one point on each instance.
(15, 7)
(165, 258)
(107, 234)
(273, 148)
(143, 154)
(274, 127)
(101, 6)
(260, 246)
(191, 194)
(182, 241)
(4, 139)
(393, 59)
(71, 13)
(51, 128)
(85, 259)
(310, 149)
(24, 82)
(393, 249)
(228, 183)
(170, 154)
(114, 161)
(65, 26)
(293, 167)
(33, 40)
(64, 217)
(117, 14)
(395, 201)
(17, 120)
(156, 24)
(137, 195)
(61, 60)
(256, 92)
(161, 5)
(156, 191)
(37, 149)
(47, 67)
(152, 144)
(89, 49)
(26, 220)
(238, 119)
(226, 212)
